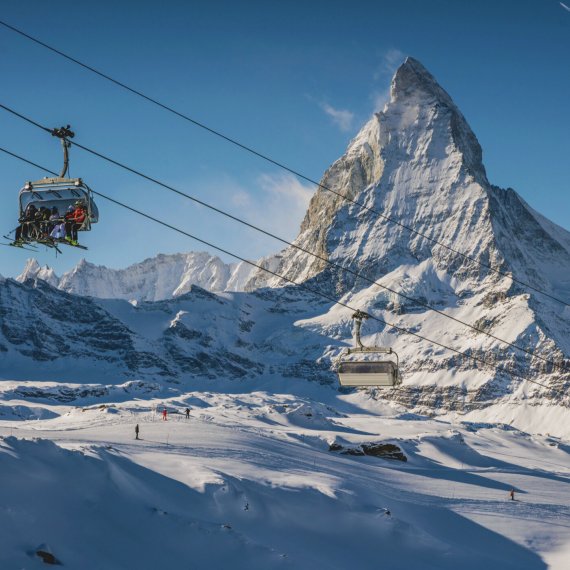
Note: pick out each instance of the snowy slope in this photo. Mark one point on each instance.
(249, 481)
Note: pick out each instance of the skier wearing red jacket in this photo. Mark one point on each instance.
(73, 221)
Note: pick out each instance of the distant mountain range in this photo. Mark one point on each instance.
(155, 279)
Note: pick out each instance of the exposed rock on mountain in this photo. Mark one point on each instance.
(48, 334)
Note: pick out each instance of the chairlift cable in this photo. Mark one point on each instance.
(277, 163)
(300, 285)
(291, 244)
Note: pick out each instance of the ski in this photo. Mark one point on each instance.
(20, 246)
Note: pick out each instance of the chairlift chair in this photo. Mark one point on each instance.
(378, 372)
(60, 192)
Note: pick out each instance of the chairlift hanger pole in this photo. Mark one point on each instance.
(358, 317)
(64, 134)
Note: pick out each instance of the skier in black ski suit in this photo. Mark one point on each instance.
(137, 431)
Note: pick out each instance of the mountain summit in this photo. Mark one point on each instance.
(418, 165)
(414, 85)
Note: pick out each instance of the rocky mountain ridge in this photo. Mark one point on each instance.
(51, 335)
(154, 279)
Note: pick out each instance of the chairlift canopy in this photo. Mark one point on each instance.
(374, 373)
(60, 193)
(362, 371)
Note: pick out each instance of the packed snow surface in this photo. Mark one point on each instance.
(248, 481)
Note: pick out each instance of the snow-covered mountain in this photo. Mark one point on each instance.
(154, 279)
(417, 162)
(49, 334)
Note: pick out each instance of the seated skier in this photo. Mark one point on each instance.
(22, 231)
(57, 227)
(42, 218)
(73, 221)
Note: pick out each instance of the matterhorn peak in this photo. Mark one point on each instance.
(412, 77)
(415, 164)
(419, 102)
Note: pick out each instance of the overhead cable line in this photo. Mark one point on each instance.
(286, 242)
(277, 163)
(303, 286)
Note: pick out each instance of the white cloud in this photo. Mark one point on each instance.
(390, 61)
(380, 98)
(289, 186)
(274, 202)
(342, 118)
(284, 201)
(241, 198)
(564, 6)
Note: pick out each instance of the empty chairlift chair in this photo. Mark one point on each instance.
(375, 372)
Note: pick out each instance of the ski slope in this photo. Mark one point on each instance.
(248, 481)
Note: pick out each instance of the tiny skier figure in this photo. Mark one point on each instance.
(137, 431)
(187, 413)
(512, 494)
(164, 414)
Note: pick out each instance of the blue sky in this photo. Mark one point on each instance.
(293, 79)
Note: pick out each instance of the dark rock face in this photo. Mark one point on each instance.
(47, 557)
(382, 450)
(44, 324)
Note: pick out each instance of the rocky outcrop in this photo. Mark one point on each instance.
(381, 450)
